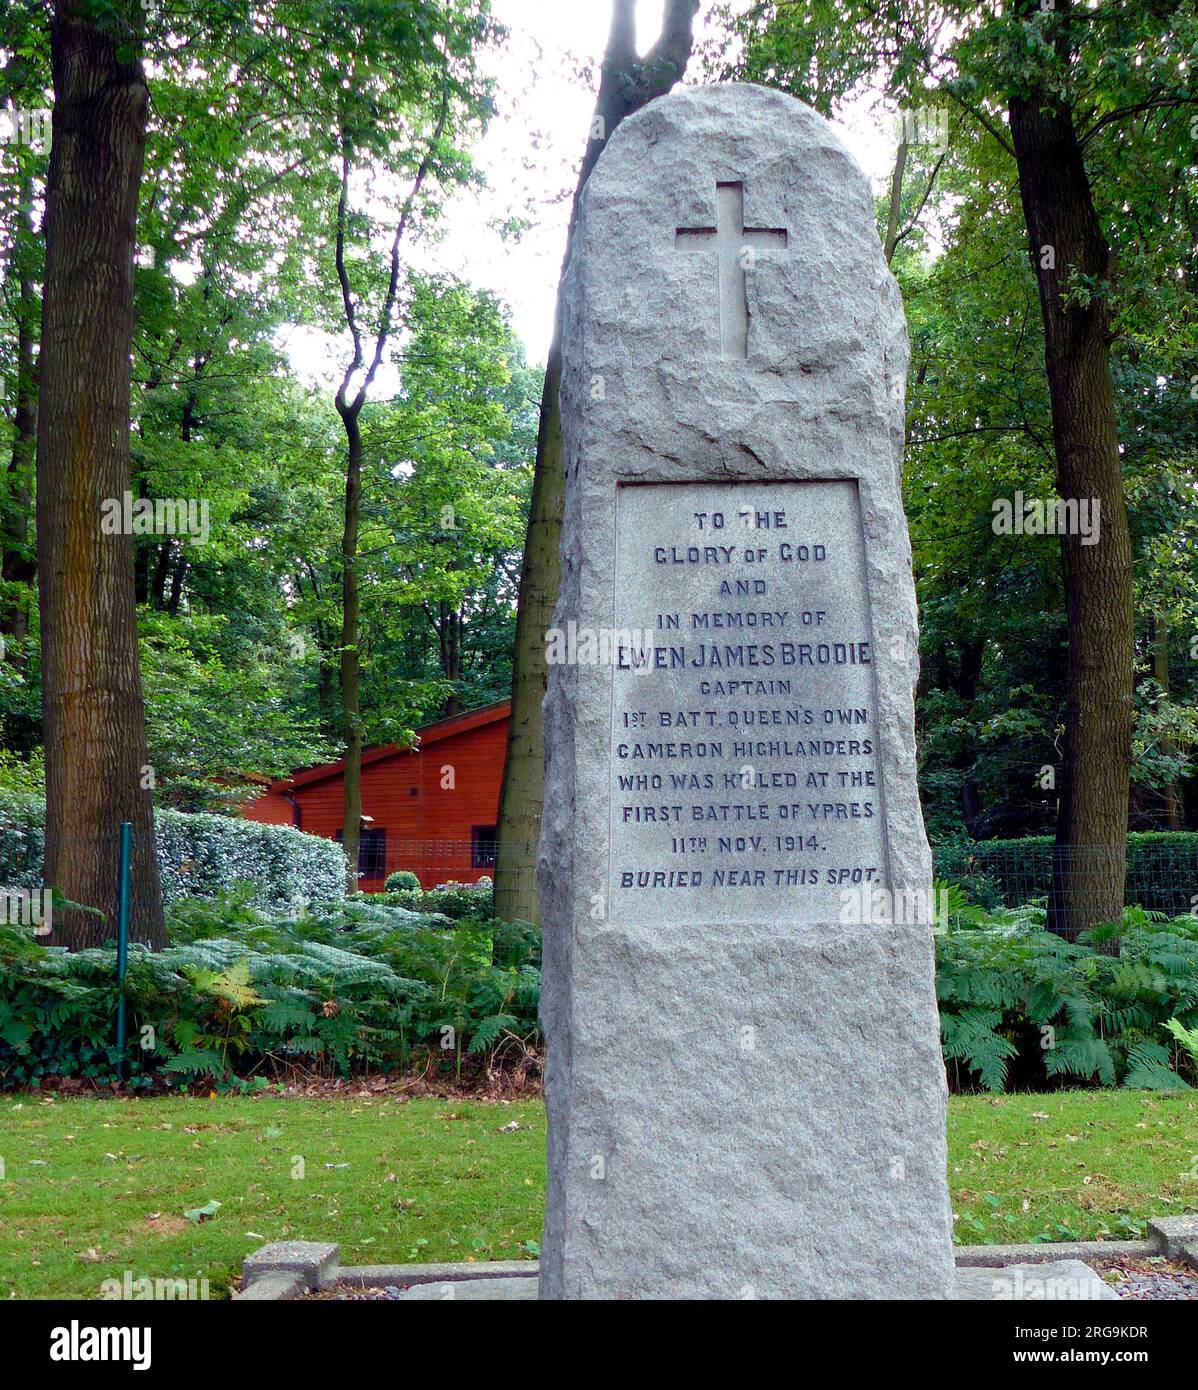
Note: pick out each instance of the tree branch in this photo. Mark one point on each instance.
(384, 332)
(621, 37)
(1154, 104)
(910, 227)
(347, 297)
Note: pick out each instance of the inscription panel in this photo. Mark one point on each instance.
(745, 782)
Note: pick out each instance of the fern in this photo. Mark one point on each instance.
(972, 1037)
(1149, 1069)
(1086, 1057)
(279, 1016)
(1187, 1037)
(487, 1033)
(197, 1061)
(231, 985)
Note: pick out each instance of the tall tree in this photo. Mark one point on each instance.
(350, 398)
(94, 717)
(1074, 272)
(406, 96)
(1075, 85)
(447, 469)
(442, 553)
(627, 83)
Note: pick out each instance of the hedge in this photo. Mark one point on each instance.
(1162, 870)
(199, 856)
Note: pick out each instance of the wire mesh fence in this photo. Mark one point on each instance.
(1156, 872)
(438, 861)
(1159, 873)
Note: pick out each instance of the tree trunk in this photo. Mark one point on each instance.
(326, 672)
(95, 729)
(141, 568)
(449, 635)
(326, 690)
(965, 686)
(351, 670)
(350, 411)
(180, 574)
(627, 84)
(1089, 860)
(895, 207)
(162, 569)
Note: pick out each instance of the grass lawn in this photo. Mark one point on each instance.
(1070, 1165)
(92, 1188)
(95, 1187)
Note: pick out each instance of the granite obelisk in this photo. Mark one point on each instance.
(745, 1088)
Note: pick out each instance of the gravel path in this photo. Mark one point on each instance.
(1153, 1278)
(336, 1292)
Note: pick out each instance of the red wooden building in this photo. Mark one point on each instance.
(430, 808)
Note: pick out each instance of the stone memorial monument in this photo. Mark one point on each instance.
(745, 1088)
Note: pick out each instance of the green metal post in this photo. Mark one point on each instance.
(122, 942)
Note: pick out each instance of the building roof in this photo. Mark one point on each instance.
(430, 733)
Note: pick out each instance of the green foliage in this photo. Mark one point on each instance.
(454, 900)
(199, 856)
(1162, 869)
(403, 880)
(1187, 1037)
(447, 464)
(366, 983)
(20, 776)
(357, 986)
(1017, 999)
(235, 281)
(990, 703)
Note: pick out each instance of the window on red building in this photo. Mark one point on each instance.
(372, 852)
(482, 846)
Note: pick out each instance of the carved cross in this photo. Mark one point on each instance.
(734, 246)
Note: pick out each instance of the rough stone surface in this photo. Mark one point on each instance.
(1055, 1281)
(474, 1290)
(993, 1256)
(272, 1288)
(745, 1092)
(315, 1262)
(1174, 1233)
